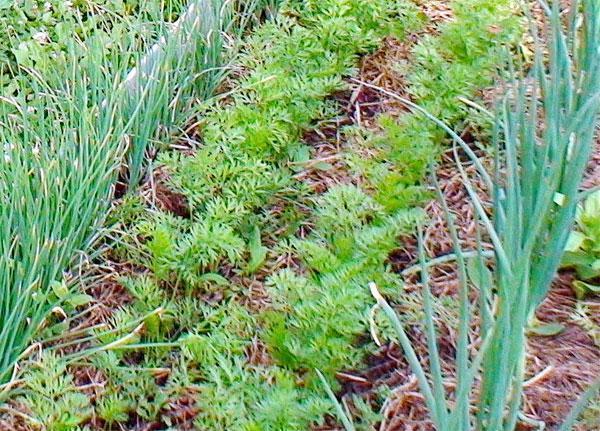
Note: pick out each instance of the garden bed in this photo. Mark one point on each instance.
(230, 287)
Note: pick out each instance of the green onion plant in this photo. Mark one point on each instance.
(59, 155)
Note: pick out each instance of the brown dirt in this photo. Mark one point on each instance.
(12, 419)
(592, 174)
(565, 364)
(182, 411)
(158, 193)
(327, 166)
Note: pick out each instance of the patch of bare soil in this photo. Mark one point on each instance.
(158, 193)
(561, 366)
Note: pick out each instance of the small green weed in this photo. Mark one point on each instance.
(52, 395)
(582, 252)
